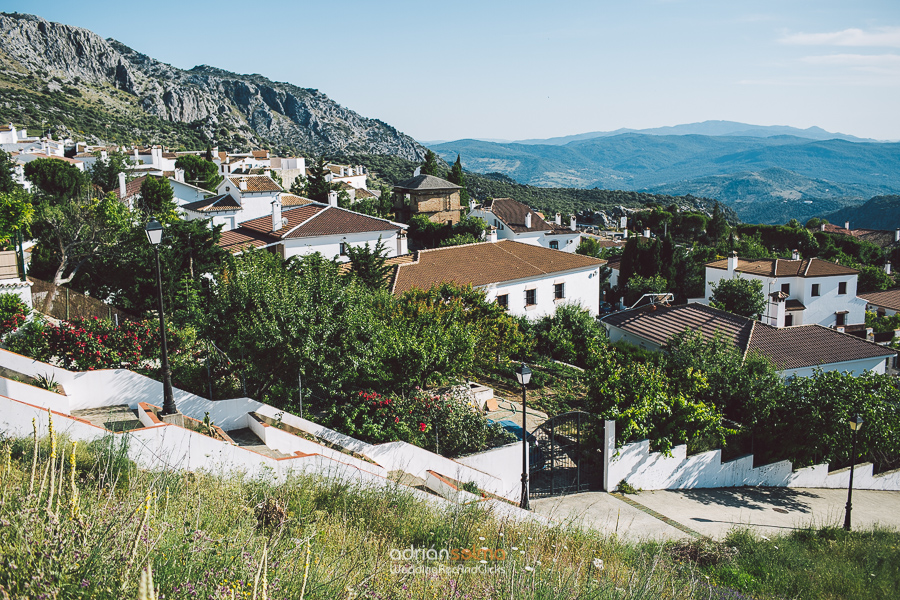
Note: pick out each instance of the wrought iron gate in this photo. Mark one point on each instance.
(565, 456)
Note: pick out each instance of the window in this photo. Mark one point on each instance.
(815, 289)
(559, 291)
(530, 297)
(788, 320)
(786, 288)
(842, 287)
(554, 245)
(343, 248)
(503, 300)
(840, 319)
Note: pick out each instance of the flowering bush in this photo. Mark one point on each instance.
(444, 423)
(13, 312)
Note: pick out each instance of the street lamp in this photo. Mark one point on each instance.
(523, 374)
(855, 425)
(154, 235)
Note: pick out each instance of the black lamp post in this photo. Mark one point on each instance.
(855, 425)
(154, 234)
(523, 374)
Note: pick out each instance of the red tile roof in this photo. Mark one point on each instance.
(132, 188)
(787, 347)
(238, 240)
(255, 183)
(484, 263)
(889, 299)
(807, 267)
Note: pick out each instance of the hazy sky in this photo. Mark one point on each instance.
(516, 70)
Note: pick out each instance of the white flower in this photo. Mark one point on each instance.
(764, 537)
(521, 552)
(776, 547)
(515, 548)
(598, 563)
(529, 569)
(501, 534)
(481, 538)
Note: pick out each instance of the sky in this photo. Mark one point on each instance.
(518, 70)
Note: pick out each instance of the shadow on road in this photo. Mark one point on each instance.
(754, 498)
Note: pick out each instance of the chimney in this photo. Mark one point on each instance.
(528, 221)
(841, 329)
(870, 334)
(332, 198)
(795, 255)
(847, 225)
(572, 225)
(471, 205)
(887, 267)
(121, 186)
(732, 263)
(136, 159)
(492, 235)
(558, 219)
(179, 175)
(417, 172)
(243, 184)
(822, 227)
(897, 235)
(276, 214)
(777, 300)
(104, 155)
(646, 232)
(402, 246)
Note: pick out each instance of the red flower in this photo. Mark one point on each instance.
(421, 426)
(396, 419)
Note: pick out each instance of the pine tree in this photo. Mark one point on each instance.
(717, 228)
(458, 177)
(430, 166)
(318, 186)
(368, 264)
(629, 261)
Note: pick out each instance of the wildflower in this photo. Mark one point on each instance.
(421, 426)
(598, 563)
(529, 569)
(481, 538)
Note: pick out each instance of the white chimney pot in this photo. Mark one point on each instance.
(276, 215)
(572, 224)
(528, 221)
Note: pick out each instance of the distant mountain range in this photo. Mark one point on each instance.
(740, 170)
(78, 83)
(881, 212)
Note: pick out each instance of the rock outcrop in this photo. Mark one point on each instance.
(278, 114)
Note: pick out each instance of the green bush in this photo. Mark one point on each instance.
(13, 312)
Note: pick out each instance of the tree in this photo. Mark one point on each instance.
(740, 296)
(368, 264)
(7, 169)
(430, 166)
(199, 172)
(717, 227)
(570, 334)
(16, 212)
(318, 185)
(105, 171)
(873, 279)
(56, 180)
(458, 177)
(639, 285)
(157, 199)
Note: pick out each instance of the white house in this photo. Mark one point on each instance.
(238, 198)
(812, 291)
(516, 221)
(524, 278)
(797, 350)
(315, 227)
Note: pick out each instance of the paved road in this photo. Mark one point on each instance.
(714, 512)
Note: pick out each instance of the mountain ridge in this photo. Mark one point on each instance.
(247, 110)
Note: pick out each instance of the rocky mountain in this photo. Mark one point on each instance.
(881, 212)
(45, 65)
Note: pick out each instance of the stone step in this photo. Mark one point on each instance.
(112, 418)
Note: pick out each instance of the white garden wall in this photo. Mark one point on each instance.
(646, 470)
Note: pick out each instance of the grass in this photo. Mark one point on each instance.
(219, 537)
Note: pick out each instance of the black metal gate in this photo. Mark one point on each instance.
(565, 456)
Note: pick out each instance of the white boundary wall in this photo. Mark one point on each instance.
(646, 470)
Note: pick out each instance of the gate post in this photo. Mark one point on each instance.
(609, 447)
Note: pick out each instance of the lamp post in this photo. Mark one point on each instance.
(523, 374)
(154, 235)
(855, 425)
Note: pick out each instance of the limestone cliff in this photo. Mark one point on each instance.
(242, 109)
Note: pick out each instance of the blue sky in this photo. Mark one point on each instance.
(517, 70)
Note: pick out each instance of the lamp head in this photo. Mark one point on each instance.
(154, 232)
(856, 423)
(523, 374)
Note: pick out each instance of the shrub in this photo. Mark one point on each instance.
(444, 423)
(13, 312)
(31, 340)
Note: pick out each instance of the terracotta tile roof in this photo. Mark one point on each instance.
(260, 154)
(512, 213)
(793, 305)
(238, 240)
(292, 200)
(314, 219)
(403, 259)
(889, 299)
(364, 193)
(484, 263)
(255, 183)
(169, 155)
(810, 346)
(661, 324)
(132, 188)
(787, 347)
(806, 267)
(222, 202)
(426, 183)
(882, 239)
(615, 263)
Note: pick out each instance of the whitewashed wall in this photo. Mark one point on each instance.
(646, 470)
(582, 287)
(330, 245)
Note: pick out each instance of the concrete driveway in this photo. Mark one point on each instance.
(671, 514)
